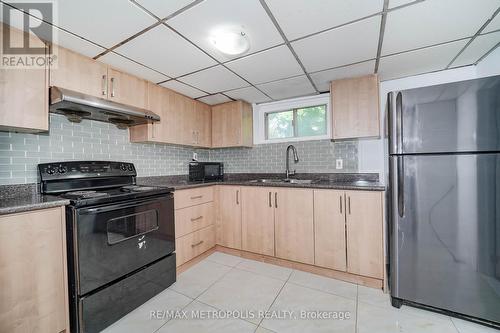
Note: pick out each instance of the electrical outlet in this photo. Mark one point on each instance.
(339, 163)
(195, 156)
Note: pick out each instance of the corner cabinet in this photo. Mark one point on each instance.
(24, 93)
(228, 217)
(232, 125)
(33, 272)
(355, 107)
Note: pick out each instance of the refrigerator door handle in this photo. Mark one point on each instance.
(399, 123)
(400, 185)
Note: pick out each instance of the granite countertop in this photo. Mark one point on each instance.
(367, 182)
(25, 197)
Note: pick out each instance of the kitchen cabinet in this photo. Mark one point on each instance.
(355, 107)
(294, 226)
(82, 74)
(194, 196)
(192, 245)
(228, 222)
(193, 218)
(33, 272)
(24, 93)
(203, 124)
(232, 125)
(330, 229)
(364, 216)
(257, 220)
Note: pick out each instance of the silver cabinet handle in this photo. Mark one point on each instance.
(196, 218)
(275, 199)
(104, 85)
(400, 186)
(196, 244)
(270, 200)
(349, 204)
(112, 87)
(237, 197)
(340, 200)
(196, 197)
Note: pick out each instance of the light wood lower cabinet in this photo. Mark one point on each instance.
(33, 273)
(228, 221)
(294, 226)
(365, 254)
(193, 196)
(192, 245)
(330, 229)
(193, 218)
(257, 221)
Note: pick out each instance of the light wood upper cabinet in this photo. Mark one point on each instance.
(257, 222)
(127, 89)
(355, 107)
(33, 272)
(365, 254)
(294, 227)
(232, 125)
(203, 124)
(330, 229)
(24, 105)
(228, 220)
(79, 73)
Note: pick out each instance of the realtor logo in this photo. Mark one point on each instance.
(26, 38)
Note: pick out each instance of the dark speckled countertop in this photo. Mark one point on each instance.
(25, 197)
(21, 198)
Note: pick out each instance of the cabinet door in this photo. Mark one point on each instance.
(329, 229)
(226, 125)
(127, 89)
(365, 252)
(257, 222)
(33, 272)
(294, 224)
(79, 73)
(229, 216)
(24, 93)
(203, 124)
(355, 107)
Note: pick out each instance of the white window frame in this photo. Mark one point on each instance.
(260, 110)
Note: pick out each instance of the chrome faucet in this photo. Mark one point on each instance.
(295, 160)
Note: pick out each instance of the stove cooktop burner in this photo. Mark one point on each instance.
(136, 188)
(85, 194)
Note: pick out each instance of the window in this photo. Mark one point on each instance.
(297, 119)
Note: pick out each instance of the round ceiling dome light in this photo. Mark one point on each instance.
(231, 42)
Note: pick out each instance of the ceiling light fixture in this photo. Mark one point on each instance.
(230, 42)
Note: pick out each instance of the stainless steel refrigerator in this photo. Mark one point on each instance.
(444, 206)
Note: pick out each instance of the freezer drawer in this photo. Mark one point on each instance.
(445, 232)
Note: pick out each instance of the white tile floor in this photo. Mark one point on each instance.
(223, 283)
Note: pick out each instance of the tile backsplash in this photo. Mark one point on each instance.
(92, 140)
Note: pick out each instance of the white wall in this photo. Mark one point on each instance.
(372, 156)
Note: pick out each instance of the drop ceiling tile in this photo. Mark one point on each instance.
(293, 87)
(397, 3)
(479, 47)
(91, 19)
(420, 61)
(249, 94)
(165, 51)
(493, 25)
(274, 64)
(132, 67)
(162, 8)
(214, 99)
(322, 79)
(341, 46)
(298, 18)
(199, 23)
(434, 21)
(183, 88)
(214, 80)
(59, 37)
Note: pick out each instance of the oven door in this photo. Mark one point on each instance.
(116, 239)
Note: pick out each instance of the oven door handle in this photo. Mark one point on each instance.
(107, 208)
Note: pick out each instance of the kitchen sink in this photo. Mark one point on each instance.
(265, 181)
(291, 181)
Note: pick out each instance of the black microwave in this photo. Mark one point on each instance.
(206, 171)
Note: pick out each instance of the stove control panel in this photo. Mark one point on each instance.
(85, 169)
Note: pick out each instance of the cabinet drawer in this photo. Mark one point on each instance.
(193, 218)
(195, 196)
(191, 245)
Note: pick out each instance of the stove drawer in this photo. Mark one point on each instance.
(193, 244)
(194, 196)
(193, 218)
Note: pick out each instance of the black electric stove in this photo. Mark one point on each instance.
(120, 239)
